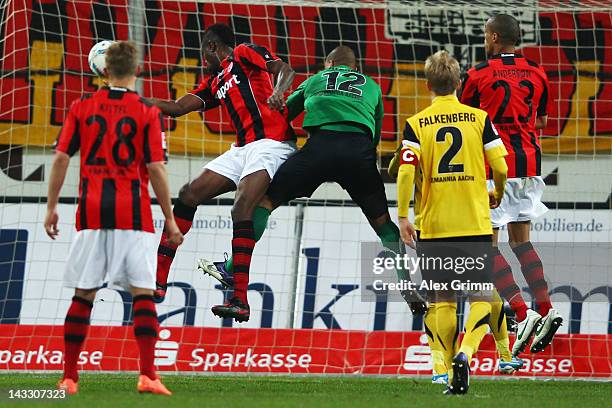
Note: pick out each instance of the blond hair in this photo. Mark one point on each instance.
(442, 72)
(121, 59)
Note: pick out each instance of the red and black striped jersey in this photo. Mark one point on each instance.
(243, 86)
(118, 134)
(513, 91)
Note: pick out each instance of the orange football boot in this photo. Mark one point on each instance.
(145, 384)
(68, 385)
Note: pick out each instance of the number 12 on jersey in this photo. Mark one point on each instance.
(351, 86)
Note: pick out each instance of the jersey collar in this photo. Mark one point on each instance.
(445, 98)
(117, 89)
(506, 54)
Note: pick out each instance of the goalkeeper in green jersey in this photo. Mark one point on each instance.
(343, 118)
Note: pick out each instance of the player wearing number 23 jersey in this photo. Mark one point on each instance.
(514, 91)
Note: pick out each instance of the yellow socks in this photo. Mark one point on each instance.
(499, 327)
(441, 329)
(475, 328)
(437, 351)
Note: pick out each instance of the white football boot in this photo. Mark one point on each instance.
(546, 330)
(524, 331)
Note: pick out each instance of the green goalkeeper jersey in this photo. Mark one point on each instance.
(340, 99)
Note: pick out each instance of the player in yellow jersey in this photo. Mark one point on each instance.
(441, 353)
(449, 141)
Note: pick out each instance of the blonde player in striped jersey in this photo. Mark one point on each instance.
(450, 141)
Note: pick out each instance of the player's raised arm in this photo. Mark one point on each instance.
(265, 60)
(283, 77)
(182, 106)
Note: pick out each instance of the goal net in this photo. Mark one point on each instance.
(309, 309)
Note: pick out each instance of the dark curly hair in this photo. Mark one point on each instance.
(221, 33)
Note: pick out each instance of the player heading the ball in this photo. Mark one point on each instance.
(121, 140)
(343, 117)
(238, 78)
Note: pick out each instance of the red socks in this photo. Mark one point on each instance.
(242, 250)
(145, 331)
(75, 331)
(77, 324)
(506, 286)
(533, 271)
(183, 214)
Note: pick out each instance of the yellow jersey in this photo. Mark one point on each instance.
(449, 142)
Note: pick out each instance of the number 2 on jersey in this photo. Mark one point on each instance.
(445, 165)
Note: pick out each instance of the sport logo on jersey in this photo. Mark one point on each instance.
(222, 91)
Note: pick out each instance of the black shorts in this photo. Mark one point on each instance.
(459, 259)
(346, 158)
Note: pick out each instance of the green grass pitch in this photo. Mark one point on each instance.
(276, 391)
